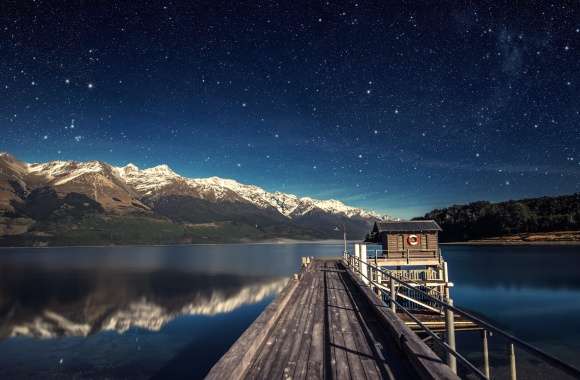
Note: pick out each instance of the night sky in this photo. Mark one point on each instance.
(398, 107)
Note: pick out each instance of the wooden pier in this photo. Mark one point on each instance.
(327, 324)
(368, 315)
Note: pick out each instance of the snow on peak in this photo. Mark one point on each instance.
(147, 181)
(151, 181)
(161, 169)
(337, 207)
(161, 179)
(130, 168)
(71, 169)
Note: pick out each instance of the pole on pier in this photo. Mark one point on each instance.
(379, 281)
(485, 354)
(393, 292)
(450, 329)
(449, 322)
(344, 237)
(356, 258)
(512, 355)
(363, 264)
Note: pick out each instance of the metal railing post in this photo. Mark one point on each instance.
(449, 322)
(356, 258)
(485, 354)
(393, 294)
(363, 264)
(450, 336)
(512, 355)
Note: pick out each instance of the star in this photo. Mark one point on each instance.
(90, 85)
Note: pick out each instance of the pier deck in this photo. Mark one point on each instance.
(325, 324)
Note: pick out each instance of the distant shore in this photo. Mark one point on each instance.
(281, 241)
(539, 238)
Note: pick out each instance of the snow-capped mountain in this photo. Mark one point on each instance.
(162, 180)
(55, 188)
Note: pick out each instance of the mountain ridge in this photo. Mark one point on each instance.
(162, 194)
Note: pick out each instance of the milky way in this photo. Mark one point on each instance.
(398, 107)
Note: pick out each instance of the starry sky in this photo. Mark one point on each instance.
(399, 107)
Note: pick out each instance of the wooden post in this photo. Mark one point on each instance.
(449, 322)
(363, 264)
(441, 276)
(393, 294)
(355, 263)
(512, 355)
(485, 354)
(450, 335)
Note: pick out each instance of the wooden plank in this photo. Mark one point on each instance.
(266, 357)
(338, 345)
(238, 358)
(346, 309)
(284, 366)
(317, 355)
(367, 353)
(307, 331)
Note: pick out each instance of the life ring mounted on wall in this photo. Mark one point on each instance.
(413, 239)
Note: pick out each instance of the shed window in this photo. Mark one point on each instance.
(400, 242)
(423, 241)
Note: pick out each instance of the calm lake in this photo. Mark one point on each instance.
(171, 312)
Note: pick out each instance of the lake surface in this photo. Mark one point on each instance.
(171, 312)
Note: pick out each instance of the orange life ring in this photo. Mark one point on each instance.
(413, 239)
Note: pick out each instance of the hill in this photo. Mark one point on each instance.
(480, 220)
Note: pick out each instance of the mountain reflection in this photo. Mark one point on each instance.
(46, 304)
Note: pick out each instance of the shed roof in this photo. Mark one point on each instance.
(410, 226)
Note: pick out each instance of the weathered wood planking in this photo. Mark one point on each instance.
(238, 358)
(328, 325)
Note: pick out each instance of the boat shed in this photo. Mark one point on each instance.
(396, 237)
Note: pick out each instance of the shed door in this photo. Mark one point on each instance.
(400, 245)
(424, 242)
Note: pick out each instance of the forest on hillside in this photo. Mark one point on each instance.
(483, 219)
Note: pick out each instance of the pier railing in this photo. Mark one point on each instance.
(407, 254)
(368, 272)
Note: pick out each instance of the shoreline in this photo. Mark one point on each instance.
(265, 242)
(507, 242)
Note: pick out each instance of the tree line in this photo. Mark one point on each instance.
(484, 219)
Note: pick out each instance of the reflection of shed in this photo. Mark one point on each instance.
(412, 236)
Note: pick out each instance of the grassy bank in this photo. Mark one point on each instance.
(556, 237)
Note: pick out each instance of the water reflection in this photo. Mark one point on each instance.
(171, 312)
(134, 312)
(53, 303)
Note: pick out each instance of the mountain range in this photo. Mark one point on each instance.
(70, 202)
